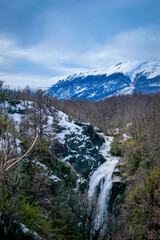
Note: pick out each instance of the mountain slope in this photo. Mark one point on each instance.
(37, 191)
(121, 79)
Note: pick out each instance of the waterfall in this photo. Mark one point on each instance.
(101, 183)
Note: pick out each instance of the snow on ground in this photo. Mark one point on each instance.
(79, 182)
(18, 149)
(126, 137)
(16, 117)
(68, 157)
(92, 95)
(80, 90)
(69, 127)
(151, 70)
(52, 177)
(155, 85)
(58, 127)
(129, 124)
(18, 107)
(48, 127)
(116, 131)
(125, 91)
(26, 230)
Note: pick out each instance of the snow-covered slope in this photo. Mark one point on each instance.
(76, 143)
(73, 143)
(121, 79)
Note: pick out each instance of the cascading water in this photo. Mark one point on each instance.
(101, 183)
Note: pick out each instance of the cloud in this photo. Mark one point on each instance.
(20, 81)
(139, 44)
(44, 54)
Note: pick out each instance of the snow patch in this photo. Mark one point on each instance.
(126, 137)
(70, 127)
(52, 177)
(26, 230)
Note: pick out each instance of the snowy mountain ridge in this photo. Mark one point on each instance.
(121, 79)
(151, 69)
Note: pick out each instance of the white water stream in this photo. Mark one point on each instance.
(101, 181)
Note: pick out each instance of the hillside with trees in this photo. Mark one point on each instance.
(45, 193)
(135, 213)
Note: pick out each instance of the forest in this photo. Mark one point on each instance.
(39, 195)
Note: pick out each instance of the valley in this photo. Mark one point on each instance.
(92, 174)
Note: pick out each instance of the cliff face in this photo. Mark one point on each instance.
(81, 150)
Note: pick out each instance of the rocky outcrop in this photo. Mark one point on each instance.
(118, 188)
(81, 150)
(116, 197)
(96, 138)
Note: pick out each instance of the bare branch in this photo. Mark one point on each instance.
(11, 151)
(23, 155)
(10, 161)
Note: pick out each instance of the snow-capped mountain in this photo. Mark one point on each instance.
(121, 79)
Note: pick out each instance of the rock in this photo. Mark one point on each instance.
(82, 150)
(96, 139)
(116, 196)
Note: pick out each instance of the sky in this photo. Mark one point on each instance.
(43, 41)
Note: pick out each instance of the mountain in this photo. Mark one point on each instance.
(121, 79)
